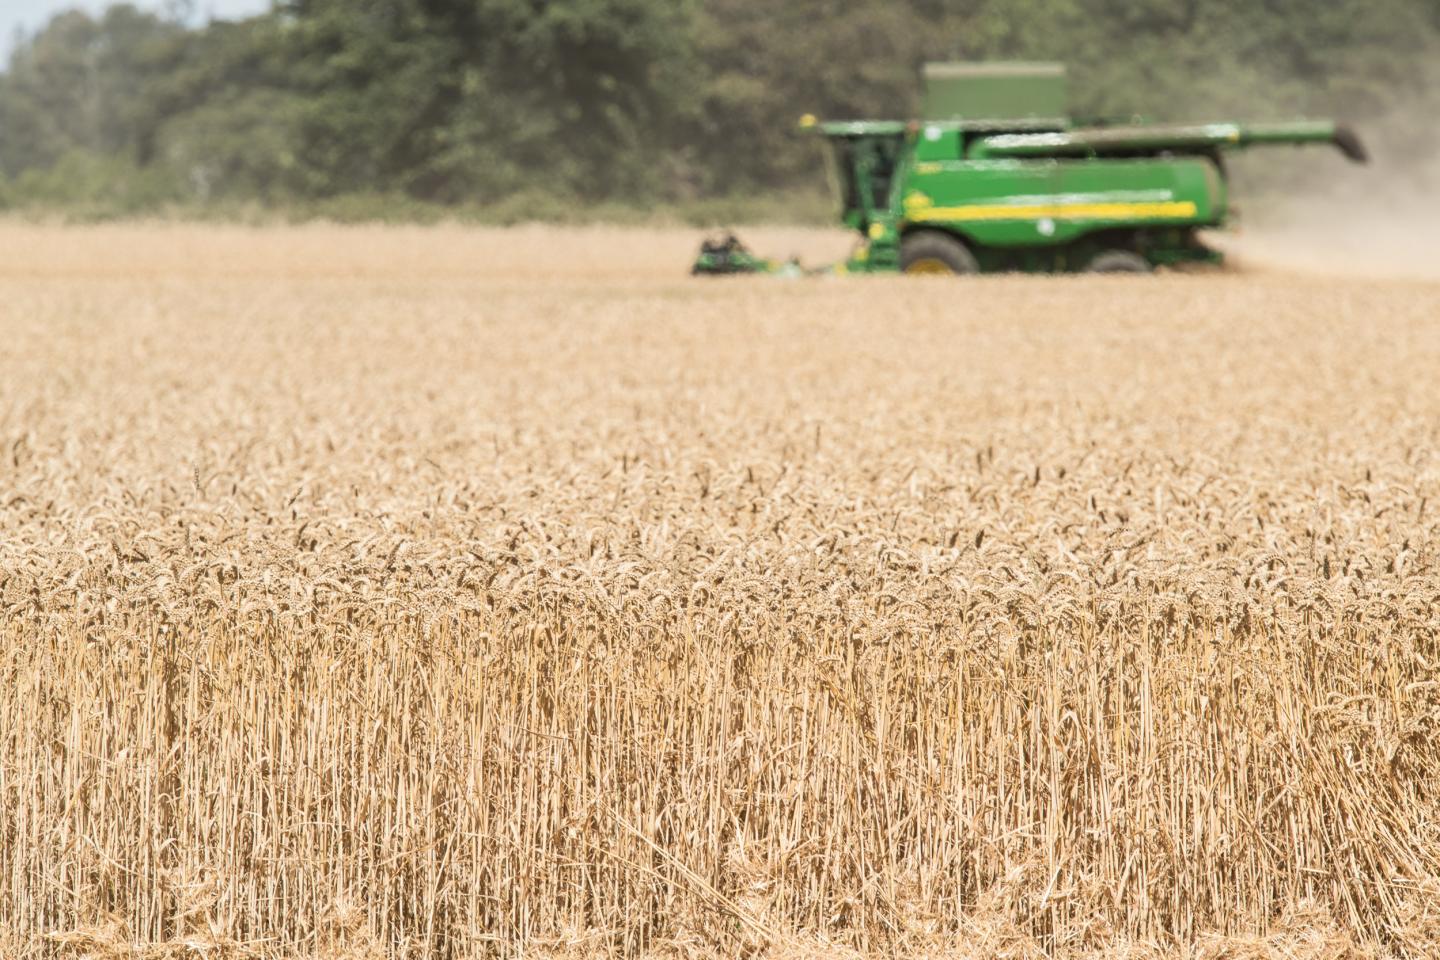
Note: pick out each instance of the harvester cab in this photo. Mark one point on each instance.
(995, 177)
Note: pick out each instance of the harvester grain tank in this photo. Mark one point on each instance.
(997, 177)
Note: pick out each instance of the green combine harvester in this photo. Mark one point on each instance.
(997, 178)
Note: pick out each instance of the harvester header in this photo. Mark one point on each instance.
(995, 177)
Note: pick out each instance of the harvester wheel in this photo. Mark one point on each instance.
(935, 253)
(1118, 261)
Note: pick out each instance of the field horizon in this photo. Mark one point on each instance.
(408, 592)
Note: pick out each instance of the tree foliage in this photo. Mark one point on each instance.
(473, 101)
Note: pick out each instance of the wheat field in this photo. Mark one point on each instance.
(460, 593)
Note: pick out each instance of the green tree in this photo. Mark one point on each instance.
(81, 85)
(485, 101)
(446, 100)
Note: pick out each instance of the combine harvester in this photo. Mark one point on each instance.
(996, 178)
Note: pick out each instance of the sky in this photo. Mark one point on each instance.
(31, 15)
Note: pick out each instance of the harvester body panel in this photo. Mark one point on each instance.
(1044, 203)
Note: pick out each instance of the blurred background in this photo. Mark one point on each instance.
(510, 110)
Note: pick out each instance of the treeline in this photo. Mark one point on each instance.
(537, 107)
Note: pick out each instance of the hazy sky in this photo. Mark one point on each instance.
(30, 15)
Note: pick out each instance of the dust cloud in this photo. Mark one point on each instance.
(1379, 237)
(1380, 220)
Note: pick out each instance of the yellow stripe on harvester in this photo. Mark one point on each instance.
(1178, 209)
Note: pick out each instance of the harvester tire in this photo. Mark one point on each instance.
(1118, 261)
(934, 252)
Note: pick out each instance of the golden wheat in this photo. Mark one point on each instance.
(455, 593)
